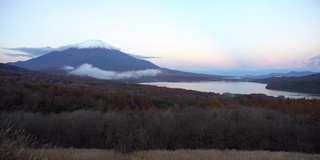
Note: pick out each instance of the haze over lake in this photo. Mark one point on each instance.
(231, 87)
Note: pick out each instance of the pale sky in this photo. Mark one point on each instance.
(200, 36)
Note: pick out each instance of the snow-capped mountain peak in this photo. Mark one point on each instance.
(92, 44)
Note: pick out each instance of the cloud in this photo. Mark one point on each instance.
(141, 56)
(17, 55)
(68, 68)
(31, 52)
(314, 62)
(90, 71)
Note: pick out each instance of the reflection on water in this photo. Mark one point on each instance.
(230, 87)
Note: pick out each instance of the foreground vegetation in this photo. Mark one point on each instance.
(224, 128)
(18, 145)
(85, 154)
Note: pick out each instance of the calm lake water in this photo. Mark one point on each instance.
(230, 87)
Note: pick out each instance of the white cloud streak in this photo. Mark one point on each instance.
(68, 68)
(90, 71)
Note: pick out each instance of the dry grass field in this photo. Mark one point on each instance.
(97, 154)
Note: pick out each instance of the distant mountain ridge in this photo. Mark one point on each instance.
(289, 74)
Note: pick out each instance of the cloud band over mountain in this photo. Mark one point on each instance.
(91, 71)
(30, 52)
(36, 52)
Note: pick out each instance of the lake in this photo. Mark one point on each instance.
(231, 87)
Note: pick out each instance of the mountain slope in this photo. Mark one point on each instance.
(102, 58)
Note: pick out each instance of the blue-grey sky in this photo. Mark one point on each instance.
(200, 36)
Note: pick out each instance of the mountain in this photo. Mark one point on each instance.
(100, 60)
(91, 44)
(304, 84)
(289, 74)
(33, 52)
(97, 53)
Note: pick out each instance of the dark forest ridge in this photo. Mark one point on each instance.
(304, 84)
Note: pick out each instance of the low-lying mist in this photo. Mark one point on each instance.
(95, 72)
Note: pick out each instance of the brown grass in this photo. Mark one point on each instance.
(96, 154)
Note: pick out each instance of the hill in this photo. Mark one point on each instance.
(305, 84)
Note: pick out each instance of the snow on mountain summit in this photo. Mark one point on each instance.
(92, 44)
